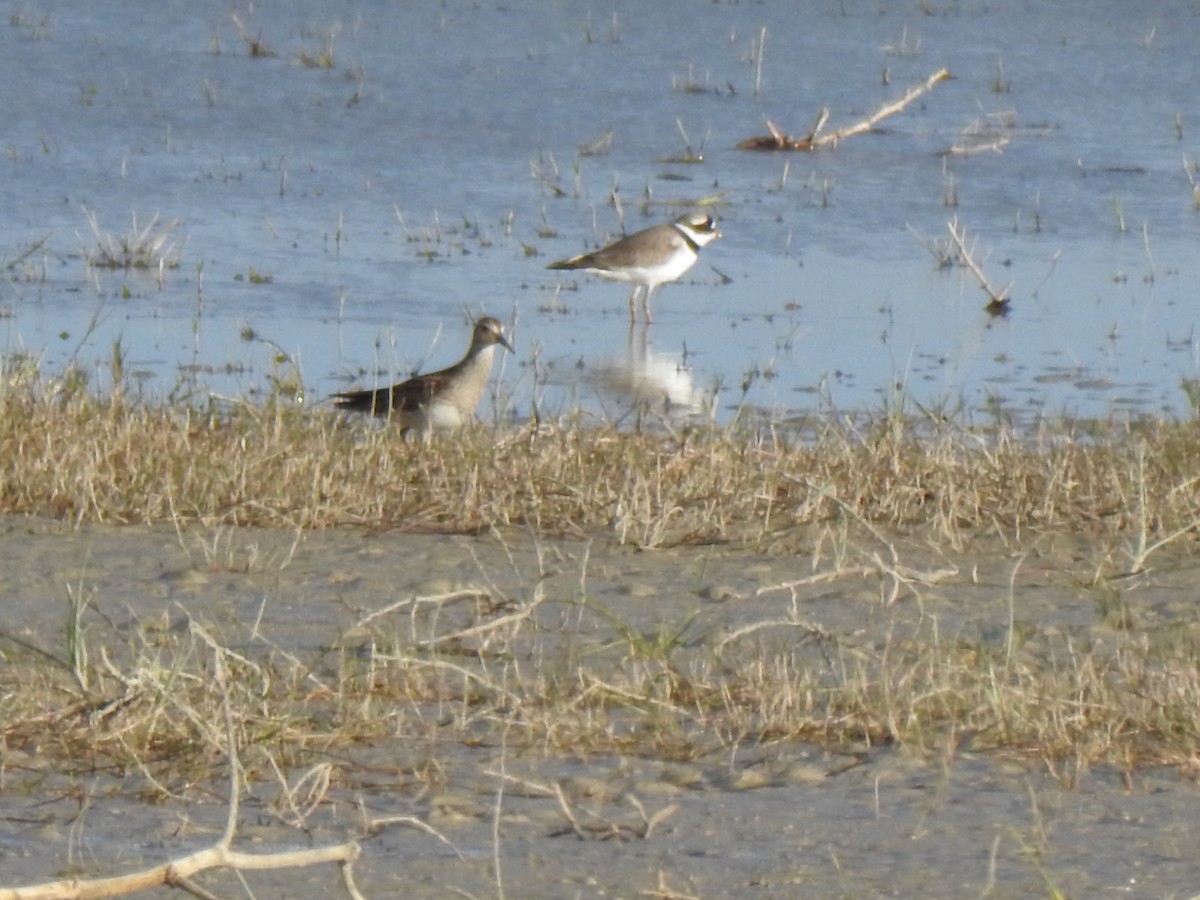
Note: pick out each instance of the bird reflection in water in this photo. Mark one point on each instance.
(647, 381)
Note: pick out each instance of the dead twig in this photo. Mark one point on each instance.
(178, 872)
(778, 140)
(998, 300)
(40, 243)
(374, 826)
(602, 828)
(650, 822)
(990, 133)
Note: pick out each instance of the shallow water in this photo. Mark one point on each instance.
(388, 195)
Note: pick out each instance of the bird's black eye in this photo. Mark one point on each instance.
(710, 224)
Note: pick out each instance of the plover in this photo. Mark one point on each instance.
(649, 258)
(439, 400)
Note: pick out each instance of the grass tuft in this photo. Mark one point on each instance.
(149, 247)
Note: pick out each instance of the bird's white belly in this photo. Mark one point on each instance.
(442, 416)
(652, 275)
(437, 416)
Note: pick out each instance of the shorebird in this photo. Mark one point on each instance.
(649, 258)
(439, 400)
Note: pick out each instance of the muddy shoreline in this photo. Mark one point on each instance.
(778, 818)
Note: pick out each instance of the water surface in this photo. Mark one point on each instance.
(349, 219)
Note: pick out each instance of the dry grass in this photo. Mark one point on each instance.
(461, 669)
(149, 247)
(462, 665)
(65, 452)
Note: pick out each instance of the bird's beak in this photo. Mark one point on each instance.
(503, 342)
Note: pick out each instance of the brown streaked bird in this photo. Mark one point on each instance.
(649, 258)
(441, 400)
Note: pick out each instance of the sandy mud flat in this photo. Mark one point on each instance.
(780, 817)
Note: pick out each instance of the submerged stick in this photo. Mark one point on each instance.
(778, 140)
(998, 300)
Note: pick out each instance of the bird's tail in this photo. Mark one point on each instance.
(578, 262)
(376, 402)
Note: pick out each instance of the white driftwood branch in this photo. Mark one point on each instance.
(888, 109)
(178, 872)
(779, 140)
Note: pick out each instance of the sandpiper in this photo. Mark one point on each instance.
(649, 258)
(439, 400)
